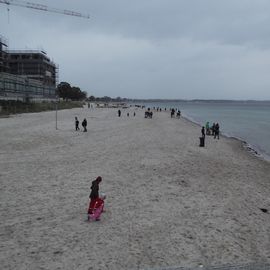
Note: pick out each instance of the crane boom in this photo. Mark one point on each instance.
(43, 8)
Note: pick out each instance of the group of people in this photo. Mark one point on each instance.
(157, 109)
(84, 124)
(119, 113)
(213, 130)
(175, 112)
(148, 113)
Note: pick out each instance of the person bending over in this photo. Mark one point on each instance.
(94, 195)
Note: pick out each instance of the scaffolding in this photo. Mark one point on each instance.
(14, 87)
(26, 74)
(34, 64)
(4, 56)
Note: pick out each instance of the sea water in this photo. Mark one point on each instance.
(247, 121)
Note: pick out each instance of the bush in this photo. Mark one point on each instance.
(16, 106)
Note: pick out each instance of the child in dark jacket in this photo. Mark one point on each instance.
(84, 124)
(77, 123)
(94, 195)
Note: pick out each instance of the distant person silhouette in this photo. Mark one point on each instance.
(213, 128)
(203, 132)
(172, 113)
(207, 128)
(77, 124)
(216, 133)
(84, 124)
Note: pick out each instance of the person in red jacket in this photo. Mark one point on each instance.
(94, 195)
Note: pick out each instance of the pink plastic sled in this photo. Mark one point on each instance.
(97, 210)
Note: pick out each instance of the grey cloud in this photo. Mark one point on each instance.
(153, 48)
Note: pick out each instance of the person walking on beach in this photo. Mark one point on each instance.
(77, 124)
(119, 113)
(203, 132)
(216, 133)
(172, 113)
(94, 195)
(84, 124)
(207, 128)
(213, 128)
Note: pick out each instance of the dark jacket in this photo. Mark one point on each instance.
(203, 132)
(94, 190)
(84, 123)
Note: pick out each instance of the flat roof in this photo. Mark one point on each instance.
(27, 52)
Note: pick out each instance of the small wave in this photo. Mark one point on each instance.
(249, 147)
(255, 150)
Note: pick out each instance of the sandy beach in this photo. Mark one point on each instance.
(169, 201)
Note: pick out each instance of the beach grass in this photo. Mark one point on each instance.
(15, 106)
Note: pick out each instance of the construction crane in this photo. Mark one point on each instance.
(42, 8)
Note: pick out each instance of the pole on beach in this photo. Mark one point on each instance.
(56, 108)
(56, 115)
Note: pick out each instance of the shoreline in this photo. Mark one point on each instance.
(246, 145)
(252, 147)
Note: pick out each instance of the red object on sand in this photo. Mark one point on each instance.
(95, 209)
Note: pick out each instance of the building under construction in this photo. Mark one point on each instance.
(26, 74)
(4, 66)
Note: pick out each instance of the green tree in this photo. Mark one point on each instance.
(106, 99)
(63, 90)
(92, 98)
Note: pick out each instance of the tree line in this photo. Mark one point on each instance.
(107, 99)
(67, 92)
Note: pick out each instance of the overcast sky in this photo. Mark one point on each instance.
(171, 49)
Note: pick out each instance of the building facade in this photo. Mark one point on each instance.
(13, 87)
(4, 56)
(33, 64)
(26, 74)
